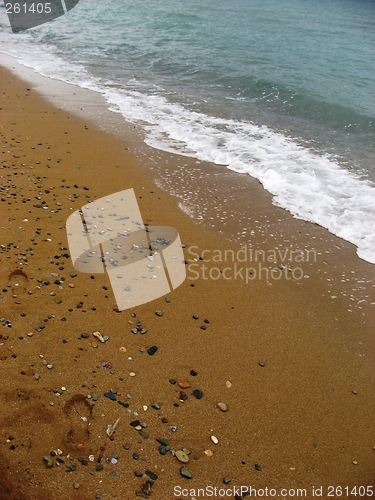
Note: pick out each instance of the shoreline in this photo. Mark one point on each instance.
(293, 354)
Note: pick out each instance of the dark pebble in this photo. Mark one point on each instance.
(135, 423)
(110, 395)
(98, 468)
(135, 456)
(203, 327)
(152, 475)
(195, 316)
(193, 373)
(258, 467)
(138, 473)
(262, 365)
(152, 350)
(172, 381)
(198, 394)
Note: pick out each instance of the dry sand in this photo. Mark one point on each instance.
(300, 361)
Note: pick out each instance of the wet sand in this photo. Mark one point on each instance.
(298, 353)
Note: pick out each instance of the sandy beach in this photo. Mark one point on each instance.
(288, 356)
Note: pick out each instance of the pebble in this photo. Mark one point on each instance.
(182, 456)
(185, 473)
(258, 467)
(198, 394)
(159, 313)
(354, 392)
(152, 350)
(122, 349)
(228, 384)
(151, 475)
(214, 439)
(184, 384)
(227, 480)
(222, 406)
(208, 453)
(162, 441)
(110, 395)
(262, 364)
(156, 406)
(99, 336)
(48, 461)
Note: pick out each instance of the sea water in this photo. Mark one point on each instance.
(283, 91)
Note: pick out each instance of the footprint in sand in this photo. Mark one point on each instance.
(78, 413)
(18, 281)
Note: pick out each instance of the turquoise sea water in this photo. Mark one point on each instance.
(282, 90)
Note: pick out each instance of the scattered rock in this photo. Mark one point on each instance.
(214, 439)
(99, 336)
(152, 350)
(182, 456)
(184, 384)
(185, 473)
(222, 406)
(198, 394)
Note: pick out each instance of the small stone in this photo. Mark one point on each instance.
(262, 364)
(152, 350)
(185, 473)
(198, 394)
(131, 374)
(76, 486)
(159, 313)
(222, 406)
(214, 439)
(37, 376)
(122, 349)
(110, 395)
(182, 456)
(99, 336)
(98, 468)
(195, 316)
(184, 384)
(193, 373)
(162, 441)
(152, 475)
(228, 384)
(227, 480)
(48, 462)
(354, 392)
(156, 406)
(258, 467)
(208, 453)
(354, 462)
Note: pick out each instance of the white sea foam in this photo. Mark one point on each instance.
(310, 186)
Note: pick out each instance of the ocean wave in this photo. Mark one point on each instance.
(311, 186)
